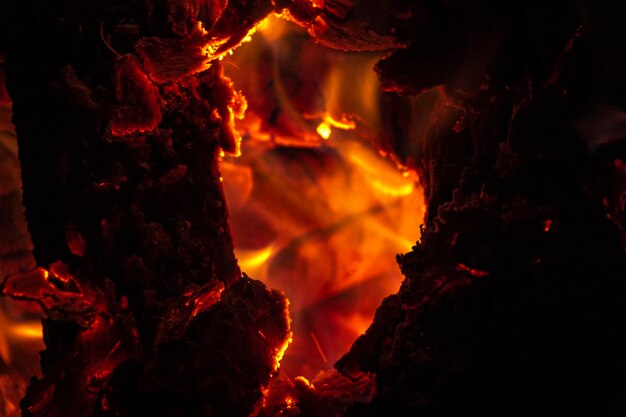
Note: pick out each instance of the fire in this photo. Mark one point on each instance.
(20, 342)
(323, 129)
(254, 259)
(355, 323)
(30, 330)
(316, 210)
(273, 27)
(344, 124)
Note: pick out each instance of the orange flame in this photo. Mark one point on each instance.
(323, 215)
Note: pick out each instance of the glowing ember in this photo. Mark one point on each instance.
(547, 225)
(324, 130)
(281, 349)
(205, 296)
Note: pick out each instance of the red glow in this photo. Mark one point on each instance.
(205, 296)
(75, 240)
(547, 225)
(475, 272)
(139, 101)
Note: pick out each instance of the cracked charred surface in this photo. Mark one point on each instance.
(509, 307)
(512, 302)
(146, 306)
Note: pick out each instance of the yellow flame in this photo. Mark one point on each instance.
(254, 259)
(11, 331)
(336, 225)
(383, 177)
(28, 330)
(344, 123)
(323, 129)
(361, 220)
(393, 191)
(273, 27)
(351, 86)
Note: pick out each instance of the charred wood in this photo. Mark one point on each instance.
(146, 307)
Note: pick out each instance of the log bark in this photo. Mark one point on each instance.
(512, 302)
(121, 113)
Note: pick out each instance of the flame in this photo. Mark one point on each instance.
(30, 330)
(331, 238)
(318, 218)
(254, 259)
(273, 27)
(301, 92)
(323, 129)
(344, 123)
(351, 86)
(380, 177)
(355, 323)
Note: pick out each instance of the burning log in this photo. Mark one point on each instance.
(512, 302)
(146, 308)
